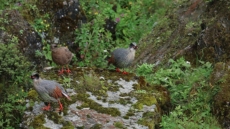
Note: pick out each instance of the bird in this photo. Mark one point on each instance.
(123, 57)
(61, 56)
(49, 91)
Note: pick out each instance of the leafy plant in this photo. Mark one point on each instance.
(67, 81)
(14, 70)
(190, 93)
(92, 43)
(12, 61)
(41, 24)
(132, 19)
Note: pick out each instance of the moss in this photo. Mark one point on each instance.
(67, 125)
(119, 125)
(32, 94)
(66, 103)
(129, 113)
(124, 101)
(31, 103)
(220, 77)
(93, 105)
(147, 120)
(38, 122)
(91, 82)
(113, 88)
(148, 100)
(145, 99)
(138, 105)
(96, 126)
(54, 117)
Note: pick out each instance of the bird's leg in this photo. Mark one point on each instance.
(118, 70)
(61, 71)
(68, 70)
(125, 73)
(46, 108)
(61, 107)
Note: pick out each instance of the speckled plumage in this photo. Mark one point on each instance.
(48, 90)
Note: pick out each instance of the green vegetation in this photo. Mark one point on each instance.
(93, 105)
(190, 92)
(133, 19)
(119, 125)
(14, 69)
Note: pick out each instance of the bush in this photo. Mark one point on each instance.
(14, 69)
(114, 24)
(190, 93)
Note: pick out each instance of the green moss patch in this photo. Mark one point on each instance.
(93, 105)
(38, 122)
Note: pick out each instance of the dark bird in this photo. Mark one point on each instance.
(122, 58)
(61, 56)
(49, 91)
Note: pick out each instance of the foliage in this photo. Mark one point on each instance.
(12, 107)
(40, 24)
(132, 19)
(92, 44)
(190, 93)
(14, 4)
(93, 84)
(12, 61)
(13, 80)
(119, 125)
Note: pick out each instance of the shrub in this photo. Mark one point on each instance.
(190, 93)
(13, 81)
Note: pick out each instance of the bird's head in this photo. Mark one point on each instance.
(34, 76)
(133, 45)
(53, 46)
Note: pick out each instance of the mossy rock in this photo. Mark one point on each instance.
(54, 117)
(138, 105)
(38, 122)
(93, 105)
(148, 100)
(148, 120)
(145, 100)
(32, 94)
(67, 125)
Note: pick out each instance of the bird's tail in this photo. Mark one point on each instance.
(67, 96)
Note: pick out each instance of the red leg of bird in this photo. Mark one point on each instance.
(118, 70)
(61, 107)
(61, 71)
(125, 73)
(46, 108)
(68, 70)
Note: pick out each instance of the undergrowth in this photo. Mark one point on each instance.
(114, 24)
(14, 69)
(190, 92)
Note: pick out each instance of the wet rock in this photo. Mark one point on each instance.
(80, 113)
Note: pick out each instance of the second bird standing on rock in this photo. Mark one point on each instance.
(61, 56)
(122, 57)
(49, 91)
